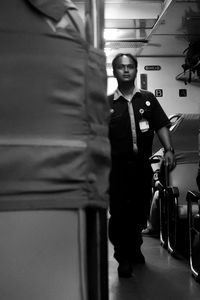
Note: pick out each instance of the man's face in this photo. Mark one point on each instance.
(125, 70)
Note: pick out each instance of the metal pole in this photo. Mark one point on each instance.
(94, 20)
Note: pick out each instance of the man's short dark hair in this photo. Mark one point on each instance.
(134, 59)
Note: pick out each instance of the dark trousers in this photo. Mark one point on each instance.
(130, 194)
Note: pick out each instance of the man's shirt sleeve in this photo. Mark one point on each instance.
(159, 117)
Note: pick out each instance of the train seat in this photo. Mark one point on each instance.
(193, 198)
(182, 178)
(173, 186)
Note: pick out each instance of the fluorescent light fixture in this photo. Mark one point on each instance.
(111, 34)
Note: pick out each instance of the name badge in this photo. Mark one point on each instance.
(144, 125)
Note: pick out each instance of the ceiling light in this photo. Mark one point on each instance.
(111, 34)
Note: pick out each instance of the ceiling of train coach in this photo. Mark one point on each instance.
(150, 27)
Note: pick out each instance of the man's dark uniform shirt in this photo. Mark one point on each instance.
(120, 125)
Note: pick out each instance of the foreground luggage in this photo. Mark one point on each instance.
(53, 254)
(55, 158)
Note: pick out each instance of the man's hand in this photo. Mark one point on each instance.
(170, 160)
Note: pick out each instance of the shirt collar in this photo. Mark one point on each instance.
(118, 94)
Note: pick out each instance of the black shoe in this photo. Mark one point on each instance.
(138, 258)
(125, 269)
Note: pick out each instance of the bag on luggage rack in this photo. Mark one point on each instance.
(192, 59)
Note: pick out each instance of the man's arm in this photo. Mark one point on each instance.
(165, 139)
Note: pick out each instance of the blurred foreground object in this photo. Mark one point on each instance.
(55, 155)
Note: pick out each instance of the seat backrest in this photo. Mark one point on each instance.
(184, 177)
(199, 140)
(185, 141)
(198, 172)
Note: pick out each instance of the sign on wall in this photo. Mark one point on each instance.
(158, 92)
(152, 68)
(182, 93)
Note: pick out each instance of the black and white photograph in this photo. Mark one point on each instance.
(99, 149)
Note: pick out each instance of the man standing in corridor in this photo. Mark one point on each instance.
(135, 116)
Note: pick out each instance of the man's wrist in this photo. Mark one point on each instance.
(169, 149)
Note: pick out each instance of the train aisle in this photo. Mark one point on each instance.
(162, 278)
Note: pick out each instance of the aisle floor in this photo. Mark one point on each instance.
(161, 278)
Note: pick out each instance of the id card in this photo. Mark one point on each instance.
(144, 125)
